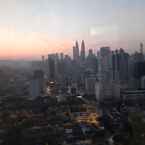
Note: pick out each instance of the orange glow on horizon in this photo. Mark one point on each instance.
(16, 45)
(32, 45)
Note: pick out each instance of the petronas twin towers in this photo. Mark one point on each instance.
(79, 55)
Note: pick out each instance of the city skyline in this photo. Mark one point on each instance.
(29, 29)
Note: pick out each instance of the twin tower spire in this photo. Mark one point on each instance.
(79, 55)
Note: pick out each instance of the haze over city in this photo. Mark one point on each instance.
(31, 28)
(72, 72)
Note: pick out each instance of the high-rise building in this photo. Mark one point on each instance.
(141, 48)
(51, 67)
(137, 68)
(77, 46)
(124, 65)
(120, 65)
(53, 62)
(61, 56)
(82, 53)
(105, 72)
(91, 61)
(76, 52)
(90, 53)
(105, 63)
(90, 83)
(37, 84)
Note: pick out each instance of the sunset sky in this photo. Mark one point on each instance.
(31, 28)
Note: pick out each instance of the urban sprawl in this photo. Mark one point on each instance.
(91, 98)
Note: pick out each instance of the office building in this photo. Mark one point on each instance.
(82, 53)
(37, 84)
(76, 52)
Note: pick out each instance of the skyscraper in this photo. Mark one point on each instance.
(37, 84)
(90, 53)
(91, 61)
(105, 62)
(52, 68)
(120, 64)
(82, 53)
(76, 51)
(105, 72)
(141, 47)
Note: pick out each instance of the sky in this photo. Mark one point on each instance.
(31, 28)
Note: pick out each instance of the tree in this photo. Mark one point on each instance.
(138, 127)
